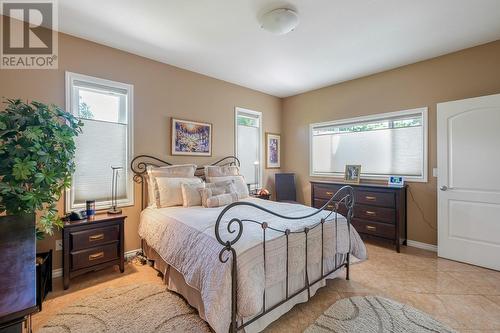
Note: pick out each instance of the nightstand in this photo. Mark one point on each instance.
(92, 244)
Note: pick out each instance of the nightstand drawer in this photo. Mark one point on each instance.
(374, 213)
(89, 238)
(325, 191)
(94, 256)
(384, 199)
(374, 228)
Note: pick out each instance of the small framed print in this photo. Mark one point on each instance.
(352, 173)
(396, 181)
(191, 138)
(273, 151)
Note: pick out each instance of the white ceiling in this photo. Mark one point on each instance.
(336, 40)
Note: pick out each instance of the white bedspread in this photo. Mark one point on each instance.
(185, 239)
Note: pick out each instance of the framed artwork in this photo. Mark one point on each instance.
(191, 138)
(273, 151)
(352, 173)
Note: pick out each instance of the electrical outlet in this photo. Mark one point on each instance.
(58, 244)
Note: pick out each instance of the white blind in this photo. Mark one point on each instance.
(101, 146)
(249, 145)
(382, 146)
(248, 151)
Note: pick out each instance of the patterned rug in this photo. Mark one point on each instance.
(374, 314)
(131, 309)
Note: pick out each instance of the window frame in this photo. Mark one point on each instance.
(70, 77)
(258, 114)
(374, 117)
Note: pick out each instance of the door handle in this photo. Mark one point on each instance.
(444, 188)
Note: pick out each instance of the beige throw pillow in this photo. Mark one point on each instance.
(221, 171)
(238, 182)
(213, 189)
(222, 200)
(168, 191)
(191, 195)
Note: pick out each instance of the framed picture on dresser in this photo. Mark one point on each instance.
(191, 138)
(273, 151)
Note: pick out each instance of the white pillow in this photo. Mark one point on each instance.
(169, 192)
(191, 195)
(238, 182)
(172, 171)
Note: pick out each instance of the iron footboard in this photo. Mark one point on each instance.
(343, 196)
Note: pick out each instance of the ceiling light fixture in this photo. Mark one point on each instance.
(279, 21)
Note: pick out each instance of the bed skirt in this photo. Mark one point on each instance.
(175, 282)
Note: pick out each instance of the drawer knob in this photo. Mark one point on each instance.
(97, 237)
(370, 198)
(372, 228)
(330, 207)
(369, 212)
(96, 256)
(329, 193)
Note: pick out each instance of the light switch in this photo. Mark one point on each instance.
(434, 172)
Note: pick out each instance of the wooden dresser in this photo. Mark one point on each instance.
(379, 210)
(92, 244)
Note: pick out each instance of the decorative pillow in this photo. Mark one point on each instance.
(238, 182)
(168, 190)
(213, 189)
(221, 171)
(172, 171)
(191, 195)
(222, 199)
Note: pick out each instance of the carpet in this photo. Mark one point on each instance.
(129, 309)
(374, 314)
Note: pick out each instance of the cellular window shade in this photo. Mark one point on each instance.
(382, 147)
(248, 151)
(100, 146)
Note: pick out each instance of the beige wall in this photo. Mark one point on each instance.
(160, 92)
(469, 73)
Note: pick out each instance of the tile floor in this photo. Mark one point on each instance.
(462, 296)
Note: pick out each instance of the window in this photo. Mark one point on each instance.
(248, 145)
(385, 144)
(105, 108)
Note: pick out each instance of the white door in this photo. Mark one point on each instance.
(468, 148)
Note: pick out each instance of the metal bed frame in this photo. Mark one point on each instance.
(344, 196)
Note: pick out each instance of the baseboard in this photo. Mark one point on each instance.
(424, 246)
(128, 255)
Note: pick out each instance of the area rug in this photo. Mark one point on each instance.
(130, 309)
(374, 314)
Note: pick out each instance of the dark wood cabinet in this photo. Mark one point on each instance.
(18, 271)
(92, 244)
(379, 210)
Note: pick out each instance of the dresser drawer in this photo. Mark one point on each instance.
(97, 236)
(325, 191)
(94, 256)
(383, 199)
(374, 228)
(375, 213)
(318, 203)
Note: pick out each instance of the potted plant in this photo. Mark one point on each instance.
(36, 163)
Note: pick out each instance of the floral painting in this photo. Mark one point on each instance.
(191, 138)
(273, 150)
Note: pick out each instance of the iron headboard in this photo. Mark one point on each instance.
(140, 164)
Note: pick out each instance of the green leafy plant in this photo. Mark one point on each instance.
(37, 148)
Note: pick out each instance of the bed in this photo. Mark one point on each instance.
(244, 265)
